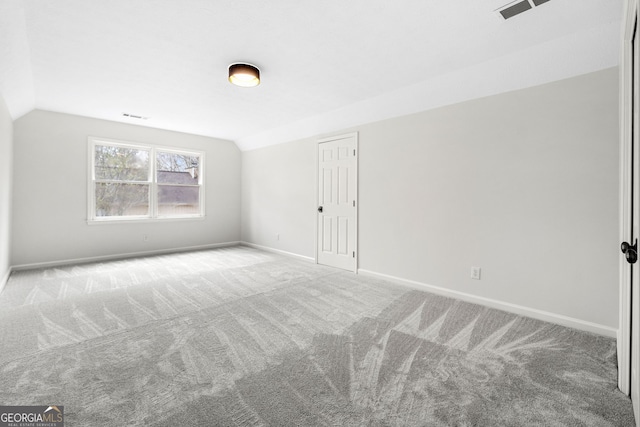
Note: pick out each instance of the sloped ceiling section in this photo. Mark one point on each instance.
(16, 77)
(325, 65)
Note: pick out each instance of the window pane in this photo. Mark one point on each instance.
(121, 199)
(121, 163)
(175, 200)
(175, 168)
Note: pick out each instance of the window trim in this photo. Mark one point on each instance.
(151, 181)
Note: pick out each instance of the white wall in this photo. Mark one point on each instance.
(50, 192)
(522, 184)
(6, 143)
(278, 197)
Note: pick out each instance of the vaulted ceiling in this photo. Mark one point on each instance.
(326, 65)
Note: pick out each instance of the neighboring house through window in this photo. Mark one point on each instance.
(138, 181)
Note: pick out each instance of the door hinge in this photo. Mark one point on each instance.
(354, 152)
(354, 203)
(354, 254)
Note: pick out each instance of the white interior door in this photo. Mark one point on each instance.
(635, 231)
(337, 202)
(629, 327)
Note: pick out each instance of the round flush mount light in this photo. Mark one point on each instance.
(243, 74)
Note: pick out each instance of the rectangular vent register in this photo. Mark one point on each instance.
(515, 8)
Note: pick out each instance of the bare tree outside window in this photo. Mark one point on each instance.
(122, 181)
(176, 162)
(123, 177)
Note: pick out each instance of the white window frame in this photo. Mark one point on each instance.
(153, 215)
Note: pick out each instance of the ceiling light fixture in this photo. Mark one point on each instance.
(245, 75)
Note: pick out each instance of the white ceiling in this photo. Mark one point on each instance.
(326, 65)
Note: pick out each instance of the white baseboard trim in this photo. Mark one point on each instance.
(278, 251)
(501, 305)
(49, 264)
(5, 279)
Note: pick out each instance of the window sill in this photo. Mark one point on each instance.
(143, 220)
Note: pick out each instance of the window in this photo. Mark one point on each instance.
(134, 182)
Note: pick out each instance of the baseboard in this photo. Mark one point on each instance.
(49, 264)
(5, 279)
(278, 251)
(501, 305)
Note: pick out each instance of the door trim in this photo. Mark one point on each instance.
(357, 196)
(625, 123)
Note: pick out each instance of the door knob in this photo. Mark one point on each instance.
(630, 251)
(320, 209)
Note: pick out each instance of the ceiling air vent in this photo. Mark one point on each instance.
(517, 7)
(134, 116)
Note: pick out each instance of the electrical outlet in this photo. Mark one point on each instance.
(475, 273)
(145, 237)
(277, 236)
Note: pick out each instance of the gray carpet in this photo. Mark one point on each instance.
(240, 337)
